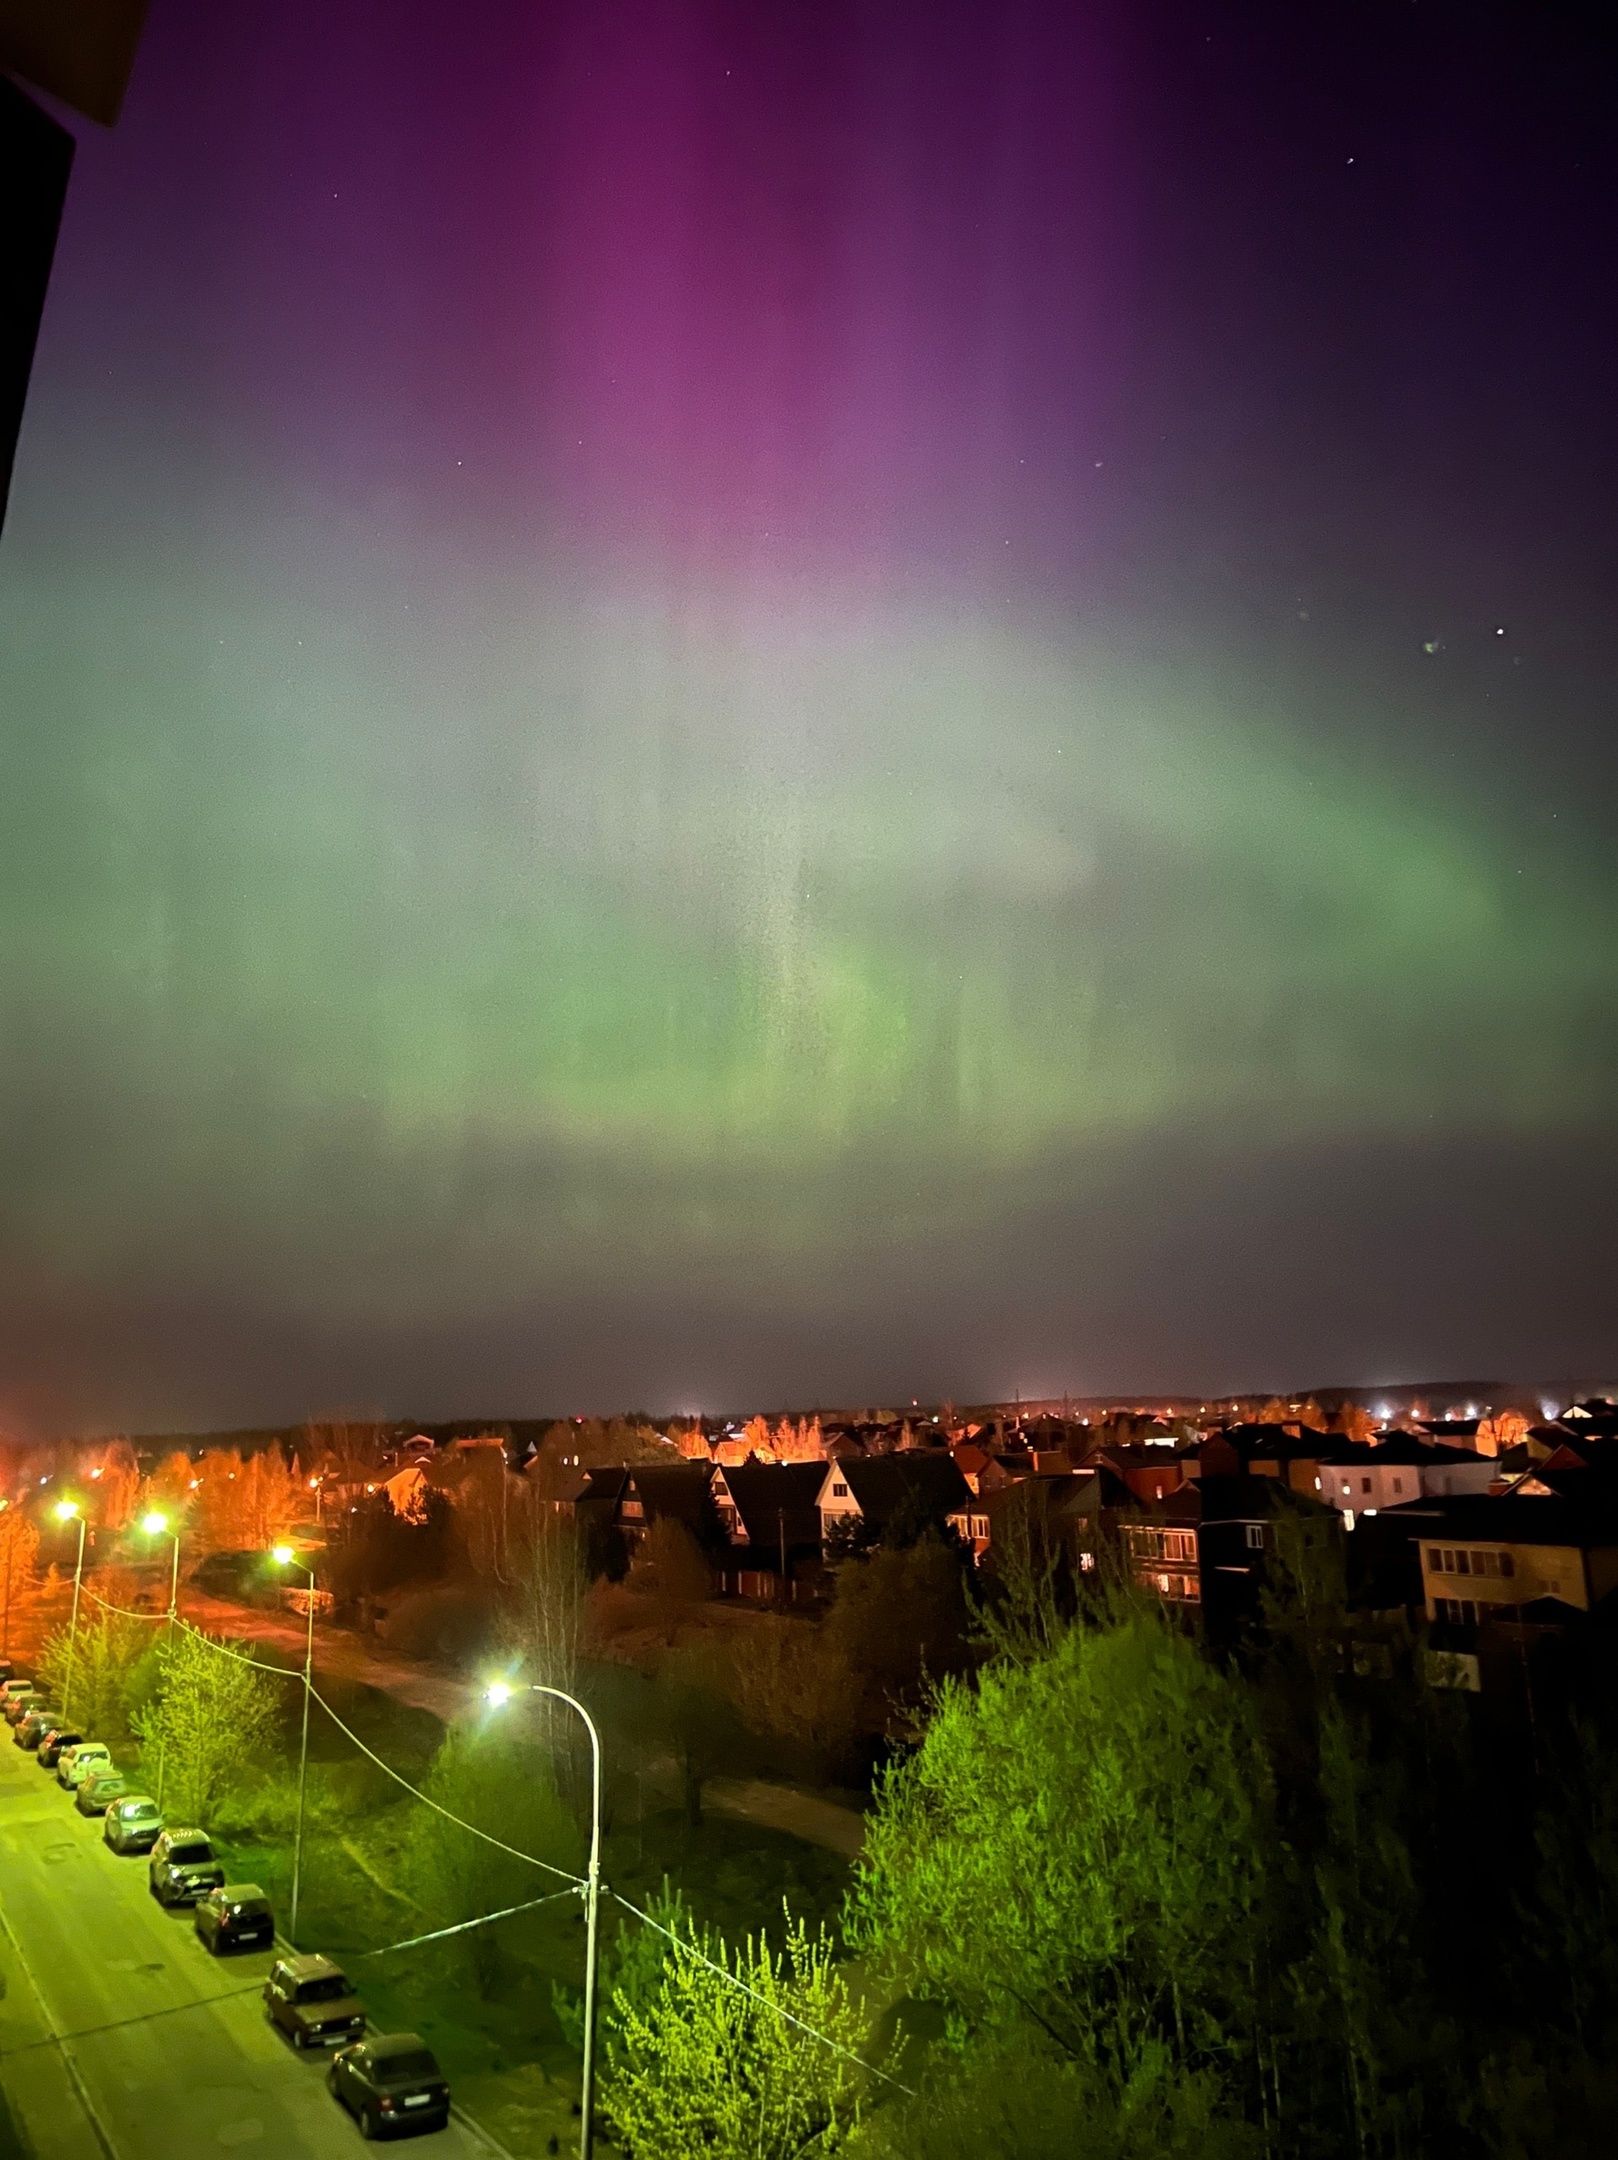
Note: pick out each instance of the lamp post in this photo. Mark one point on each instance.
(66, 1512)
(284, 1556)
(502, 1692)
(156, 1524)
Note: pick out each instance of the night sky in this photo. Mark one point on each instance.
(806, 702)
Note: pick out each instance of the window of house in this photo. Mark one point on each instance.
(1087, 1561)
(1490, 1563)
(1398, 1484)
(1463, 1563)
(1508, 1565)
(1365, 1484)
(1435, 1562)
(1255, 1536)
(839, 1491)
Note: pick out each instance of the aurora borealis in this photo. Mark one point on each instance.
(710, 703)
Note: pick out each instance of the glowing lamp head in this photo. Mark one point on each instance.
(66, 1510)
(281, 1554)
(497, 1694)
(154, 1524)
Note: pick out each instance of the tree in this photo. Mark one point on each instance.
(542, 1611)
(117, 1483)
(1079, 1844)
(672, 1572)
(694, 1718)
(504, 1786)
(105, 1656)
(705, 2071)
(214, 1717)
(19, 1576)
(246, 1506)
(793, 1682)
(899, 1623)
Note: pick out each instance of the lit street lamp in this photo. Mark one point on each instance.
(284, 1556)
(66, 1512)
(157, 1525)
(499, 1693)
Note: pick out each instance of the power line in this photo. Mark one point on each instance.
(689, 1949)
(438, 1934)
(577, 1881)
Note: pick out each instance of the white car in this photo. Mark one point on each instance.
(76, 1763)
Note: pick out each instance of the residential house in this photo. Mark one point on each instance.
(1359, 1480)
(678, 1491)
(1484, 1557)
(1077, 1509)
(863, 1494)
(770, 1520)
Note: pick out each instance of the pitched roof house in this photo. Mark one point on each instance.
(868, 1492)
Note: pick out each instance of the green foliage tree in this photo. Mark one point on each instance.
(1015, 2097)
(1080, 1844)
(706, 2071)
(214, 1718)
(504, 1786)
(105, 1658)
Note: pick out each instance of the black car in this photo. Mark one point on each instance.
(390, 2083)
(53, 1740)
(32, 1728)
(235, 1917)
(132, 1824)
(312, 2001)
(183, 1868)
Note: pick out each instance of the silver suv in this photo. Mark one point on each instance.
(182, 1867)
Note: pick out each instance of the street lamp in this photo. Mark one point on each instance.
(284, 1556)
(66, 1512)
(496, 1695)
(156, 1524)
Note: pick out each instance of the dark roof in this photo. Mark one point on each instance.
(313, 1967)
(676, 1489)
(772, 1498)
(1521, 1519)
(882, 1484)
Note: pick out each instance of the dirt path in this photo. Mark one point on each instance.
(788, 1807)
(337, 1652)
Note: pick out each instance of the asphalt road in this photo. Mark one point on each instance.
(120, 2037)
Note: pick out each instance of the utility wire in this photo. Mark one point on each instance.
(483, 1920)
(128, 1611)
(577, 1881)
(689, 1949)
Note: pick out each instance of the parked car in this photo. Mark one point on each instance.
(18, 1706)
(15, 1683)
(183, 1867)
(389, 2083)
(97, 1792)
(55, 1739)
(312, 2001)
(74, 1764)
(33, 1728)
(236, 1916)
(7, 1670)
(132, 1824)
